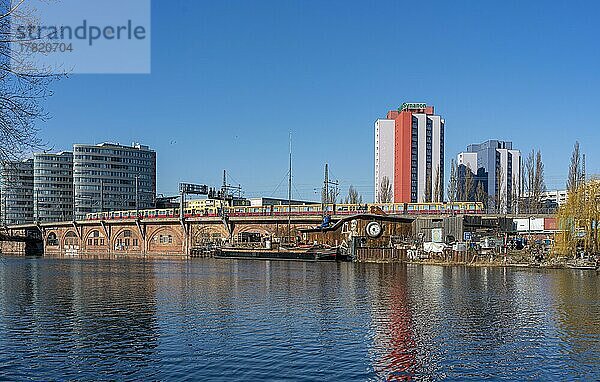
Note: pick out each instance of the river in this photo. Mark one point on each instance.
(207, 319)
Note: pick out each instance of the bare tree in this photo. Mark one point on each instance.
(529, 176)
(481, 195)
(535, 184)
(353, 196)
(453, 182)
(384, 194)
(515, 200)
(501, 196)
(436, 185)
(331, 197)
(539, 184)
(428, 184)
(469, 191)
(23, 87)
(576, 169)
(439, 179)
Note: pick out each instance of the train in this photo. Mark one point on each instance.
(305, 209)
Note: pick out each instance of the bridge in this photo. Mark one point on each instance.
(175, 237)
(163, 236)
(29, 243)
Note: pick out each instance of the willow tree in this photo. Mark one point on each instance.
(579, 220)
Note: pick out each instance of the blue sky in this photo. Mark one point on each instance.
(230, 79)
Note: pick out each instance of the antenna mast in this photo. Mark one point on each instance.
(290, 194)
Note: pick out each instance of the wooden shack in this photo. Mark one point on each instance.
(366, 237)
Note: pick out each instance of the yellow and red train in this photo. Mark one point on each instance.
(307, 209)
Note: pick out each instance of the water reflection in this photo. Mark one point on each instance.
(68, 317)
(249, 320)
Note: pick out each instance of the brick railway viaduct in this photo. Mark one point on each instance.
(168, 236)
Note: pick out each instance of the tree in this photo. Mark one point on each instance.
(469, 190)
(535, 184)
(453, 182)
(501, 196)
(438, 190)
(436, 186)
(428, 184)
(579, 220)
(539, 184)
(331, 197)
(23, 87)
(481, 195)
(576, 169)
(529, 176)
(384, 194)
(353, 196)
(514, 199)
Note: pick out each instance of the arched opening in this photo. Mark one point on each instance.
(126, 240)
(95, 239)
(165, 240)
(71, 240)
(52, 240)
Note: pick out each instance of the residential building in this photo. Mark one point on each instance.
(112, 177)
(16, 192)
(496, 166)
(53, 187)
(409, 152)
(200, 204)
(558, 197)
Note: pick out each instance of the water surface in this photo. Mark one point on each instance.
(206, 319)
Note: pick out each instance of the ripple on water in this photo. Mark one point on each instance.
(133, 319)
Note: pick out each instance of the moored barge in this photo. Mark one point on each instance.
(293, 253)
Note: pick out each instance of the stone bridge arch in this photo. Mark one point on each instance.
(165, 240)
(53, 241)
(202, 234)
(70, 241)
(126, 240)
(95, 241)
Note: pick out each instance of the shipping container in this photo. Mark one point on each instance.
(550, 224)
(528, 224)
(537, 224)
(521, 224)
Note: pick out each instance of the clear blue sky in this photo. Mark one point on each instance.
(230, 79)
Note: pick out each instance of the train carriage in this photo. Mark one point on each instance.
(307, 209)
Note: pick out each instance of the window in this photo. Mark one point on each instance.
(71, 239)
(52, 240)
(165, 239)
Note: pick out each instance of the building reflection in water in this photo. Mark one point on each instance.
(78, 317)
(209, 319)
(393, 349)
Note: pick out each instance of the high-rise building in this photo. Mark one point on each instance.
(409, 154)
(497, 167)
(112, 177)
(53, 186)
(16, 192)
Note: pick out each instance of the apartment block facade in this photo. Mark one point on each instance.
(409, 154)
(16, 192)
(53, 187)
(112, 177)
(497, 167)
